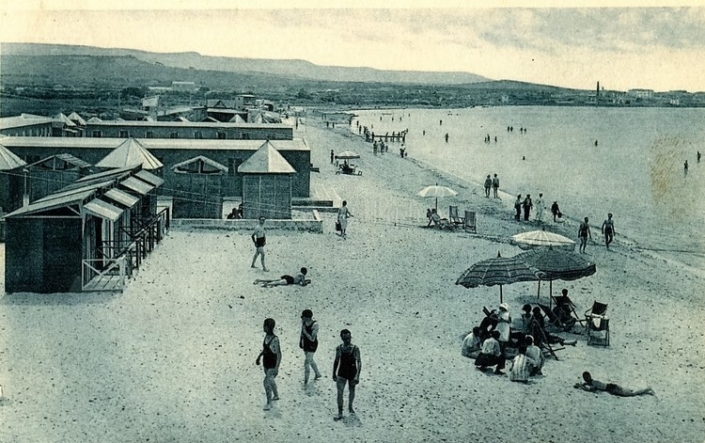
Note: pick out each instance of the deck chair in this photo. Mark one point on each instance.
(469, 222)
(436, 221)
(597, 324)
(564, 300)
(454, 217)
(552, 319)
(541, 340)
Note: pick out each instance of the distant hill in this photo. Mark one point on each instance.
(300, 69)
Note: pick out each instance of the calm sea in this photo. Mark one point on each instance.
(636, 171)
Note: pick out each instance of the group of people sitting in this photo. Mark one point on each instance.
(499, 338)
(347, 168)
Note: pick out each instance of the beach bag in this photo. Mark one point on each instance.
(337, 226)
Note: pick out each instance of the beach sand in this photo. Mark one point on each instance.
(172, 357)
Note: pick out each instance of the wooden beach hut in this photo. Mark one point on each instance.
(49, 175)
(266, 184)
(12, 180)
(64, 242)
(198, 188)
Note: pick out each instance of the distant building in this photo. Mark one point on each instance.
(184, 86)
(245, 101)
(640, 93)
(27, 125)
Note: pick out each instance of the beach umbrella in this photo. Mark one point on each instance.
(534, 239)
(437, 191)
(347, 155)
(558, 265)
(498, 271)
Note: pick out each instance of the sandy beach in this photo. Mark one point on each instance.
(171, 359)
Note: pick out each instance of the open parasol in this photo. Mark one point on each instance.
(437, 191)
(347, 155)
(534, 239)
(498, 271)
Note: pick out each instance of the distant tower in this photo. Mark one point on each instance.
(598, 89)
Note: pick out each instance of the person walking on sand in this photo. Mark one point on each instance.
(591, 385)
(309, 343)
(555, 210)
(259, 239)
(271, 357)
(495, 185)
(528, 204)
(517, 207)
(608, 230)
(488, 186)
(343, 214)
(583, 234)
(346, 369)
(685, 167)
(540, 206)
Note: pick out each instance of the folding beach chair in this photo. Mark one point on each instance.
(564, 300)
(552, 319)
(469, 222)
(597, 324)
(541, 340)
(454, 217)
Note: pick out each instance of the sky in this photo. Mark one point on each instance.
(620, 45)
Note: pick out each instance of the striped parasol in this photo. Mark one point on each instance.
(499, 271)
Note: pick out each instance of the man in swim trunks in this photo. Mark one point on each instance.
(271, 356)
(309, 343)
(592, 385)
(259, 239)
(488, 186)
(608, 230)
(583, 234)
(285, 280)
(495, 185)
(346, 369)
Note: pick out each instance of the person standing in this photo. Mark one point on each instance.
(332, 156)
(555, 210)
(685, 167)
(517, 207)
(271, 357)
(528, 204)
(504, 321)
(540, 206)
(343, 214)
(488, 186)
(583, 234)
(309, 343)
(608, 230)
(259, 239)
(346, 369)
(495, 185)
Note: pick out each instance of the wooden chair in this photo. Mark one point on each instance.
(541, 339)
(470, 222)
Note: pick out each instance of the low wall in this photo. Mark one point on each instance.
(315, 224)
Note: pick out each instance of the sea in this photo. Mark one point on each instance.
(591, 160)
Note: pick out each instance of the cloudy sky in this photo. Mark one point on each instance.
(661, 48)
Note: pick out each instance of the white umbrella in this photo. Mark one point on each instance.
(347, 155)
(533, 239)
(437, 191)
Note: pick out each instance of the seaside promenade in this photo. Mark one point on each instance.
(172, 357)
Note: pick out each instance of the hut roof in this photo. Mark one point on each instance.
(18, 121)
(74, 117)
(199, 165)
(53, 201)
(149, 178)
(94, 120)
(130, 153)
(8, 160)
(266, 160)
(63, 119)
(68, 160)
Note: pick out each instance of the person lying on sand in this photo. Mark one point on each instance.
(285, 280)
(592, 385)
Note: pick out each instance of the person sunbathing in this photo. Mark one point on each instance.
(437, 221)
(285, 280)
(592, 385)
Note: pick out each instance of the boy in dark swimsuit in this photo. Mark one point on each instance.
(592, 385)
(309, 343)
(271, 356)
(346, 369)
(583, 234)
(285, 280)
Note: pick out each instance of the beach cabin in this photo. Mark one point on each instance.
(266, 184)
(198, 188)
(53, 173)
(12, 180)
(71, 240)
